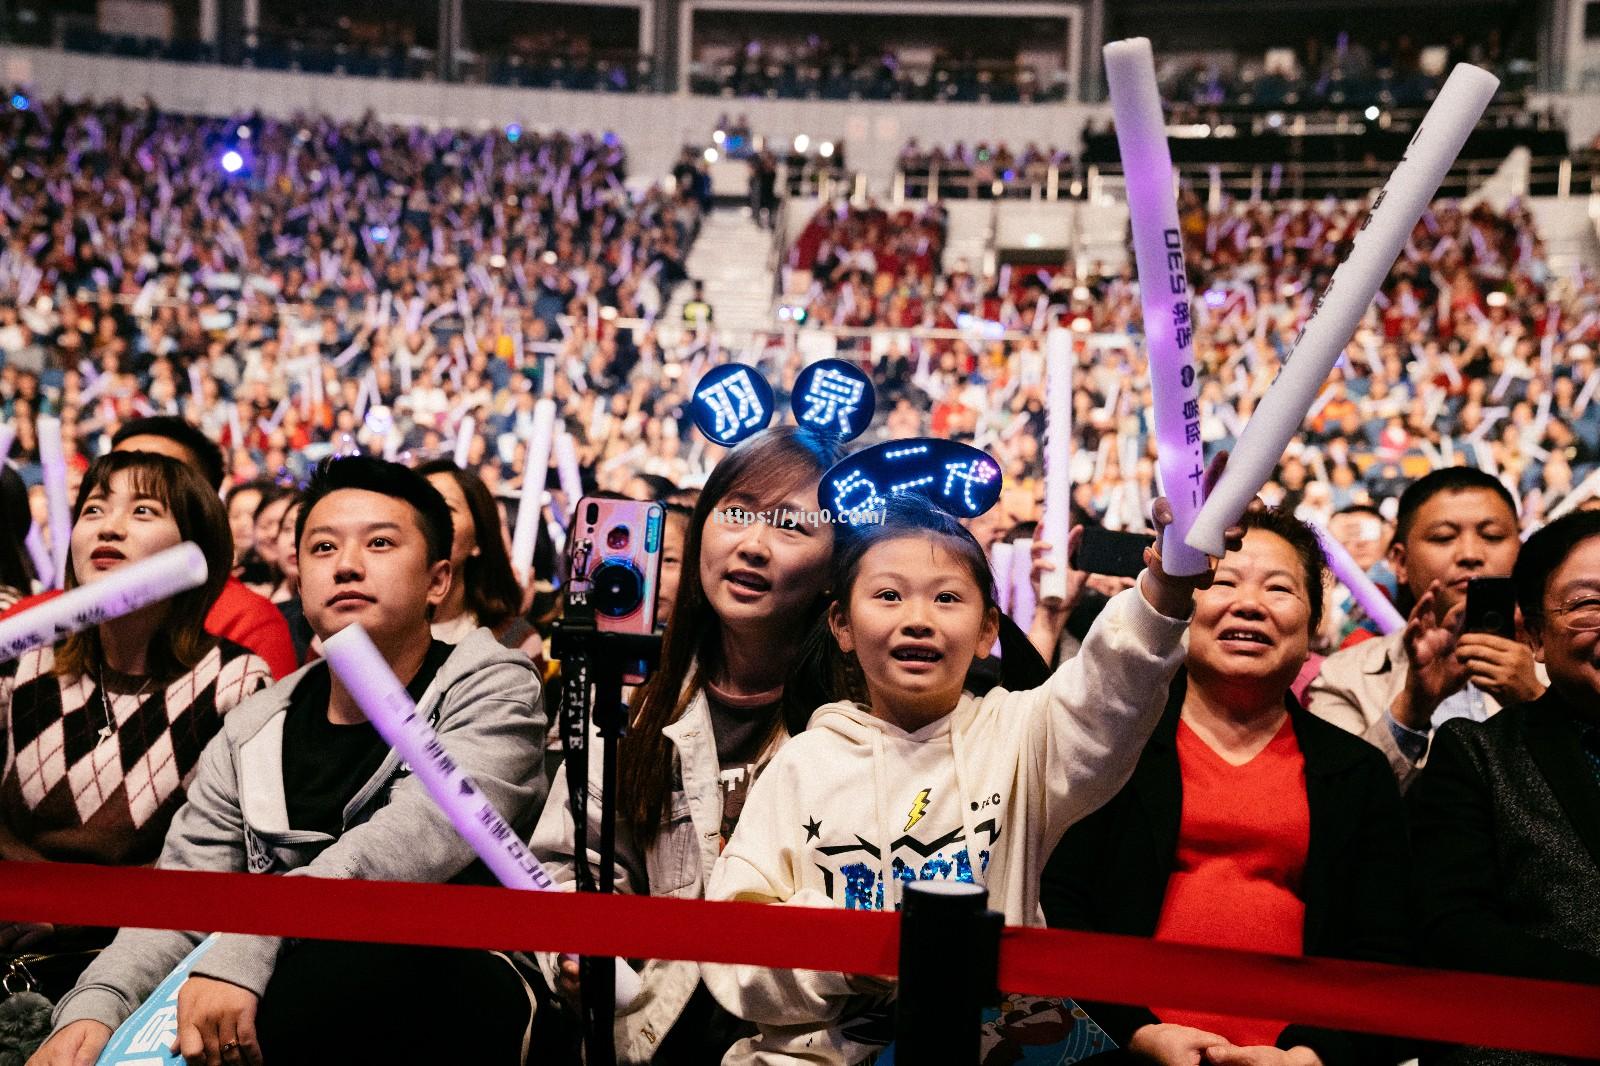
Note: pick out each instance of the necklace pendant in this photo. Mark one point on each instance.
(105, 733)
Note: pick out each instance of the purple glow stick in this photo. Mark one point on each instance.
(38, 552)
(1377, 606)
(1000, 563)
(121, 591)
(53, 460)
(1163, 292)
(1023, 602)
(367, 676)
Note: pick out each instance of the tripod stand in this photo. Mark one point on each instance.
(594, 665)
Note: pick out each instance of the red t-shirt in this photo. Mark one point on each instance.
(238, 615)
(1241, 859)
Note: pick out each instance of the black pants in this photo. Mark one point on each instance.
(355, 1004)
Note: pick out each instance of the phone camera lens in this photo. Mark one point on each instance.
(617, 588)
(592, 513)
(617, 538)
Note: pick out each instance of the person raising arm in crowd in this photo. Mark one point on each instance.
(1452, 525)
(1248, 822)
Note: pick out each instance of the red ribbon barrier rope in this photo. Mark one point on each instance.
(1539, 1016)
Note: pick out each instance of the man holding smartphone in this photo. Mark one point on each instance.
(1453, 526)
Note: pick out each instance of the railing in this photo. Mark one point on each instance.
(1238, 181)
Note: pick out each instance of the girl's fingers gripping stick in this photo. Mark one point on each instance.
(361, 668)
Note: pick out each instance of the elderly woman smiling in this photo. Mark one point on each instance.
(1248, 822)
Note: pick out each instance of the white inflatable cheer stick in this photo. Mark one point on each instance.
(362, 670)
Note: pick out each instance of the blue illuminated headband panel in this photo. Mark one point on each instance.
(957, 478)
(731, 403)
(833, 397)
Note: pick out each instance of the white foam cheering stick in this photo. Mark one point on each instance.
(1163, 292)
(464, 433)
(366, 675)
(537, 460)
(567, 469)
(53, 461)
(1059, 359)
(1333, 321)
(121, 591)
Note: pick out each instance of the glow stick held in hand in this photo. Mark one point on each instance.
(1163, 292)
(1023, 603)
(567, 469)
(1377, 606)
(464, 433)
(537, 460)
(122, 591)
(1332, 323)
(53, 463)
(1059, 359)
(366, 675)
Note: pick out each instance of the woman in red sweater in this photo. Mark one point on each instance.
(1248, 823)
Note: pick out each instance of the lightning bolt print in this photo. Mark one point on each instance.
(919, 807)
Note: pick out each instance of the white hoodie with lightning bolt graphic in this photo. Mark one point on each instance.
(854, 807)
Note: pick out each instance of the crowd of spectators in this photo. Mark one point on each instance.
(351, 281)
(1474, 352)
(819, 69)
(1344, 73)
(300, 289)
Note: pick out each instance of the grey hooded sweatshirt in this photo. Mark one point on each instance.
(490, 718)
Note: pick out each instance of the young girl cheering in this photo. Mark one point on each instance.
(926, 782)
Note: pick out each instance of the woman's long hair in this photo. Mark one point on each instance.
(182, 641)
(16, 572)
(769, 463)
(492, 590)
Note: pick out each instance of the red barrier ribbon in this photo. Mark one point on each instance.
(1539, 1016)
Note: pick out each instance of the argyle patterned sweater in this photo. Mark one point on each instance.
(74, 796)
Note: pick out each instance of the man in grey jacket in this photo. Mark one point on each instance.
(299, 783)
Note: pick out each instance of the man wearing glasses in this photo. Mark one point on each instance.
(1505, 818)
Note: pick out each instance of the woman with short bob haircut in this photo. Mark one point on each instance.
(128, 704)
(1249, 823)
(709, 719)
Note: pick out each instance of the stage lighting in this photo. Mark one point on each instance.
(232, 161)
(243, 133)
(1372, 113)
(380, 234)
(513, 133)
(719, 137)
(801, 143)
(825, 149)
(19, 101)
(711, 155)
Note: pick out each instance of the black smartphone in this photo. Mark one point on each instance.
(1109, 552)
(1491, 607)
